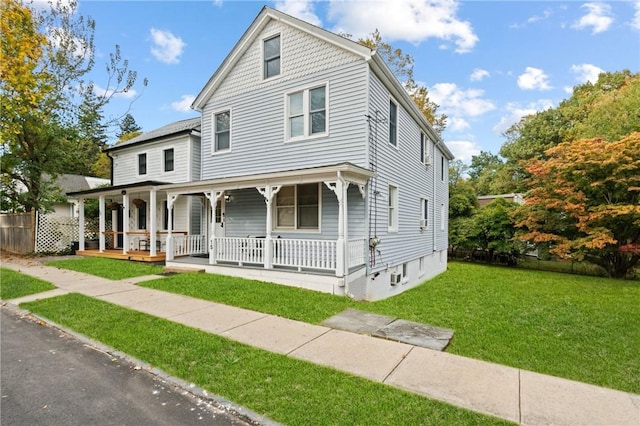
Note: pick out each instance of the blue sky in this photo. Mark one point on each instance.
(486, 63)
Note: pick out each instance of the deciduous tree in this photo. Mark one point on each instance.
(584, 202)
(51, 118)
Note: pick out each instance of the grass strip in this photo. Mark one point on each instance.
(112, 269)
(14, 284)
(284, 389)
(578, 327)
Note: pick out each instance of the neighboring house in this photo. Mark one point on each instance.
(74, 183)
(483, 200)
(312, 168)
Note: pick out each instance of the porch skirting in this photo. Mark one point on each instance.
(325, 283)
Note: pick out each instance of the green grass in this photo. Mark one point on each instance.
(112, 269)
(284, 389)
(578, 327)
(14, 284)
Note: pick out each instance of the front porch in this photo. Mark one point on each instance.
(135, 255)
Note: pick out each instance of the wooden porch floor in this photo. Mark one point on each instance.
(137, 255)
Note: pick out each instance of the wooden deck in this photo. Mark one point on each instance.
(136, 255)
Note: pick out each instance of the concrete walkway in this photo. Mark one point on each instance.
(517, 395)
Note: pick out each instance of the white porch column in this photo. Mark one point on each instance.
(125, 222)
(268, 192)
(81, 224)
(152, 222)
(102, 222)
(340, 189)
(171, 198)
(213, 198)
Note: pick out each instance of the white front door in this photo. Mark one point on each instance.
(218, 228)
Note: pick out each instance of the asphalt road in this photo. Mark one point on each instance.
(48, 377)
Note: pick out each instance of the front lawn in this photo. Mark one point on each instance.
(577, 327)
(112, 269)
(14, 284)
(284, 389)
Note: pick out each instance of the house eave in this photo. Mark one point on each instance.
(349, 172)
(117, 190)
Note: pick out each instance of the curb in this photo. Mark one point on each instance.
(216, 401)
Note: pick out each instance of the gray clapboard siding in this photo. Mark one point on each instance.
(296, 49)
(403, 168)
(126, 162)
(246, 215)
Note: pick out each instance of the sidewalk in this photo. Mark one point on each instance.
(517, 395)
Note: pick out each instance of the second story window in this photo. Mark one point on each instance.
(222, 131)
(271, 51)
(168, 160)
(393, 123)
(307, 113)
(424, 150)
(142, 164)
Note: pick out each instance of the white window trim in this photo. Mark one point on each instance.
(170, 172)
(213, 131)
(397, 104)
(262, 70)
(137, 160)
(293, 230)
(422, 211)
(425, 142)
(422, 266)
(306, 113)
(396, 214)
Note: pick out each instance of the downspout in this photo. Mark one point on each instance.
(111, 168)
(433, 208)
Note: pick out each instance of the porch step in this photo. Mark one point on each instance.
(391, 328)
(182, 269)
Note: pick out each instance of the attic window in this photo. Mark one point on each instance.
(271, 51)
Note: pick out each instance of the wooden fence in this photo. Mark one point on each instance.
(18, 232)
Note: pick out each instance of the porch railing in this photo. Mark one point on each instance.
(241, 250)
(356, 252)
(184, 245)
(312, 254)
(292, 253)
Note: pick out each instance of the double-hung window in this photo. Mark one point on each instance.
(298, 207)
(142, 216)
(307, 113)
(142, 164)
(393, 208)
(222, 131)
(271, 52)
(393, 123)
(424, 150)
(168, 160)
(424, 213)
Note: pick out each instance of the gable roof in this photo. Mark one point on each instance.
(72, 183)
(183, 126)
(377, 64)
(265, 16)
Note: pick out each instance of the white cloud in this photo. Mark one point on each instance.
(478, 74)
(515, 113)
(457, 124)
(301, 9)
(586, 72)
(463, 150)
(533, 79)
(184, 104)
(410, 20)
(545, 15)
(635, 22)
(598, 18)
(457, 102)
(166, 47)
(102, 92)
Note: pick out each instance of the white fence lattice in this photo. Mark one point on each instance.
(55, 234)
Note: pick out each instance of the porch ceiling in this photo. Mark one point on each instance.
(350, 172)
